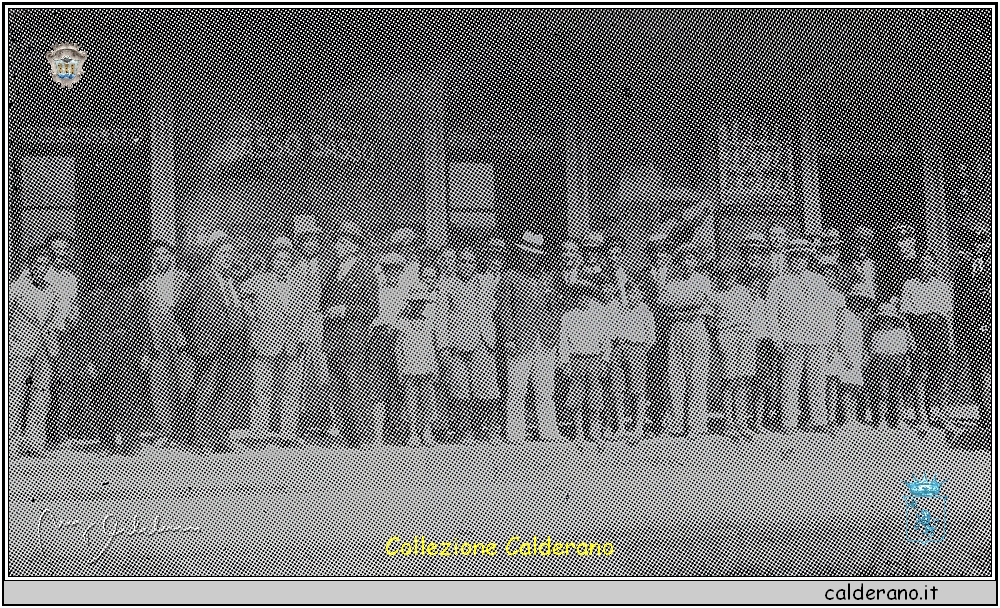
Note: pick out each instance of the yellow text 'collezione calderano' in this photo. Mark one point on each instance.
(515, 545)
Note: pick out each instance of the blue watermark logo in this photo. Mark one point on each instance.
(925, 510)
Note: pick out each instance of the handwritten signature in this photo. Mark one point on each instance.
(101, 535)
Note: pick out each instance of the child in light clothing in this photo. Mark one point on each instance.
(416, 360)
(584, 354)
(852, 358)
(891, 352)
(733, 310)
(632, 333)
(834, 362)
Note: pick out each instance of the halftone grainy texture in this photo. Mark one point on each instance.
(710, 125)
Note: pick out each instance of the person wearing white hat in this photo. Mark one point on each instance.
(802, 310)
(777, 242)
(974, 318)
(384, 334)
(32, 343)
(416, 358)
(468, 347)
(308, 376)
(529, 332)
(171, 369)
(70, 386)
(269, 303)
(210, 314)
(403, 241)
(593, 267)
(349, 304)
(928, 306)
(684, 299)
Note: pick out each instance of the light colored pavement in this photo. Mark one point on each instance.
(815, 506)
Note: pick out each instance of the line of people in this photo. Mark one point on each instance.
(792, 334)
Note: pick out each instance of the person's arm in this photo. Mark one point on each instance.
(503, 300)
(443, 319)
(772, 311)
(650, 328)
(563, 348)
(949, 316)
(366, 304)
(485, 315)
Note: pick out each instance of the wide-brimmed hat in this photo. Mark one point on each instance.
(689, 248)
(726, 267)
(213, 241)
(570, 246)
(664, 234)
(903, 231)
(419, 293)
(753, 241)
(799, 247)
(403, 237)
(594, 240)
(496, 245)
(393, 259)
(350, 230)
(282, 243)
(532, 243)
(305, 224)
(830, 238)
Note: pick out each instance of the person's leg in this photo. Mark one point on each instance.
(183, 430)
(39, 400)
(428, 400)
(411, 399)
(18, 373)
(484, 391)
(545, 385)
(619, 385)
(677, 376)
(793, 364)
(740, 404)
(463, 416)
(815, 377)
(595, 397)
(331, 415)
(162, 389)
(698, 366)
(519, 368)
(204, 397)
(657, 370)
(634, 386)
(263, 386)
(576, 400)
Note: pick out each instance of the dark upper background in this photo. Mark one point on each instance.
(643, 79)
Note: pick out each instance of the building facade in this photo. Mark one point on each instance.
(764, 119)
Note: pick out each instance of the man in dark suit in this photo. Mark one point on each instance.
(973, 323)
(349, 301)
(209, 313)
(114, 322)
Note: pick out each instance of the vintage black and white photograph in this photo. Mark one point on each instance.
(449, 292)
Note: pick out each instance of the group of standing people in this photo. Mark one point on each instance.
(489, 344)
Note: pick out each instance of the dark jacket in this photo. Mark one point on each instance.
(358, 292)
(208, 318)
